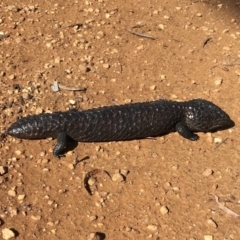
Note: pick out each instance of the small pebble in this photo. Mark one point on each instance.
(93, 218)
(45, 161)
(161, 26)
(164, 210)
(225, 31)
(153, 87)
(57, 60)
(72, 101)
(2, 179)
(42, 154)
(141, 47)
(91, 181)
(166, 17)
(71, 166)
(199, 15)
(83, 68)
(18, 152)
(175, 189)
(117, 177)
(48, 45)
(13, 8)
(35, 218)
(208, 237)
(175, 167)
(13, 211)
(50, 202)
(152, 227)
(173, 96)
(212, 223)
(94, 236)
(21, 197)
(100, 34)
(3, 170)
(217, 140)
(39, 110)
(12, 193)
(7, 233)
(12, 76)
(237, 72)
(106, 65)
(208, 172)
(98, 148)
(128, 229)
(100, 225)
(218, 81)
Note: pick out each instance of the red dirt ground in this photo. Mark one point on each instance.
(195, 54)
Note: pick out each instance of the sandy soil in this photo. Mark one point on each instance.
(169, 190)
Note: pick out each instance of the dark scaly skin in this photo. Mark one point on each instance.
(124, 122)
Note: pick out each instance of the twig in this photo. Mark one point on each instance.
(56, 86)
(78, 25)
(141, 34)
(225, 209)
(221, 143)
(71, 88)
(206, 41)
(77, 161)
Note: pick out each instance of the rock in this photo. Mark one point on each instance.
(218, 81)
(212, 223)
(106, 65)
(161, 26)
(7, 233)
(3, 170)
(12, 193)
(153, 87)
(207, 172)
(217, 140)
(18, 152)
(152, 227)
(93, 218)
(164, 210)
(208, 237)
(13, 8)
(72, 101)
(12, 76)
(21, 197)
(91, 181)
(94, 236)
(117, 177)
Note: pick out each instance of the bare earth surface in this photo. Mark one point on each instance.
(170, 182)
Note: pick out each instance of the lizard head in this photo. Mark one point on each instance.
(202, 115)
